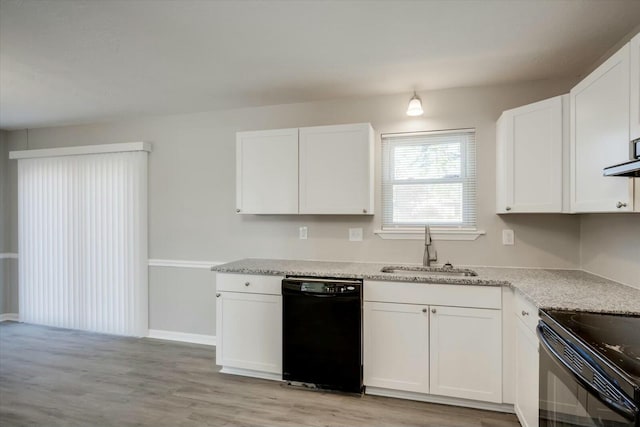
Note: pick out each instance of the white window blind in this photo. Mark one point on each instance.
(83, 242)
(429, 178)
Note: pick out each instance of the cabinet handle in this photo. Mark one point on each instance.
(621, 205)
(247, 283)
(364, 211)
(424, 310)
(218, 295)
(525, 313)
(508, 208)
(433, 310)
(237, 210)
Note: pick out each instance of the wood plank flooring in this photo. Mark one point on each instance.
(58, 377)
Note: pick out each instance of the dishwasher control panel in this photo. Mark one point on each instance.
(325, 288)
(322, 286)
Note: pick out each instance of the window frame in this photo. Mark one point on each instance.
(464, 230)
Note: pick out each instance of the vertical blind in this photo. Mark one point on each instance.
(83, 242)
(429, 178)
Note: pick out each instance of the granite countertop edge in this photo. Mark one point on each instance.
(388, 277)
(547, 289)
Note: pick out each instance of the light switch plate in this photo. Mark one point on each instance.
(355, 234)
(508, 237)
(302, 233)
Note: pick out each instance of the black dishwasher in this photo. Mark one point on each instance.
(322, 333)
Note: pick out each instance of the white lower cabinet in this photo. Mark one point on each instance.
(526, 362)
(396, 346)
(466, 353)
(428, 349)
(249, 325)
(526, 376)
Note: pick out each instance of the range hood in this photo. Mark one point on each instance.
(630, 168)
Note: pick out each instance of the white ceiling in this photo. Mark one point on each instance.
(74, 61)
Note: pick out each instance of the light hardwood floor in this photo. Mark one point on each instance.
(58, 377)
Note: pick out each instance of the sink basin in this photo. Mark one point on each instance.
(428, 271)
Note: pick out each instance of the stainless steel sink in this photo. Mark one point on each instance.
(427, 271)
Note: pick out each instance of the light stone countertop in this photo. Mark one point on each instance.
(546, 288)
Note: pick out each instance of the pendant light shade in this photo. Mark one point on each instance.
(415, 106)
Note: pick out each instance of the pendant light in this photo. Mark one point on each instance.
(415, 106)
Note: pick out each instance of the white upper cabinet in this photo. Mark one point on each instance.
(531, 144)
(267, 172)
(635, 87)
(599, 137)
(336, 169)
(315, 170)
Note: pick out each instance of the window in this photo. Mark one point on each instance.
(429, 178)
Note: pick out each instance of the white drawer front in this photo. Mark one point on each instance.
(249, 283)
(526, 311)
(430, 294)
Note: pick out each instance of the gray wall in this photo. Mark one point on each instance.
(4, 223)
(192, 196)
(610, 246)
(4, 176)
(8, 266)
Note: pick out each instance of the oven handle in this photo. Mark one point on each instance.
(629, 413)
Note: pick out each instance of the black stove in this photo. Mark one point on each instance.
(600, 354)
(615, 338)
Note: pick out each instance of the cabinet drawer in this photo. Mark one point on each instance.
(526, 311)
(249, 283)
(430, 294)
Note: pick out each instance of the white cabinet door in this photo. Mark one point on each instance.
(249, 331)
(530, 157)
(466, 353)
(635, 87)
(526, 375)
(396, 346)
(267, 172)
(336, 169)
(600, 137)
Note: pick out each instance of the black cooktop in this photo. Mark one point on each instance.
(614, 337)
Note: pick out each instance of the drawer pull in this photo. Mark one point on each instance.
(525, 313)
(508, 208)
(424, 310)
(217, 295)
(247, 283)
(433, 310)
(621, 205)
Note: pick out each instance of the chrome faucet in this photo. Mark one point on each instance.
(427, 257)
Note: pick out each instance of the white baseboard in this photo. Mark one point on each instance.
(6, 317)
(182, 337)
(251, 373)
(431, 398)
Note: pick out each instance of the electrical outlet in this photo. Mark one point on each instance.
(355, 234)
(508, 237)
(302, 233)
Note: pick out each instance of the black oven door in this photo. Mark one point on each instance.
(567, 396)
